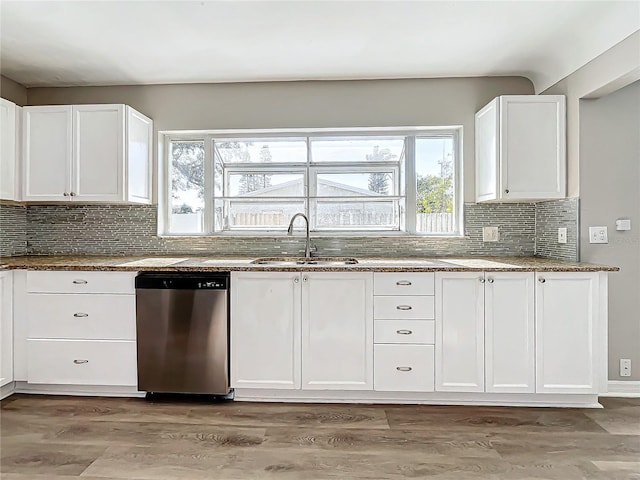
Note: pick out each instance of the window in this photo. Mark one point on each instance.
(355, 182)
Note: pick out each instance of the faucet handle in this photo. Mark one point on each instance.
(313, 249)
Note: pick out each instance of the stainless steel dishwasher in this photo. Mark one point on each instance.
(183, 332)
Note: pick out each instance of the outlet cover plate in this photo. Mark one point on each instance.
(625, 367)
(490, 234)
(598, 235)
(562, 235)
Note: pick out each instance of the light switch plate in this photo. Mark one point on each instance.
(490, 234)
(598, 235)
(562, 235)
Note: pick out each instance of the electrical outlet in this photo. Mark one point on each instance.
(490, 234)
(598, 235)
(625, 367)
(562, 235)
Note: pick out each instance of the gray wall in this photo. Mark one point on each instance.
(13, 91)
(610, 189)
(359, 103)
(613, 69)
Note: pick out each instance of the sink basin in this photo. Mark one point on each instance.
(293, 261)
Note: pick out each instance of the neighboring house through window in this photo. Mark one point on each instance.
(349, 182)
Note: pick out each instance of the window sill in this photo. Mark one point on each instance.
(316, 235)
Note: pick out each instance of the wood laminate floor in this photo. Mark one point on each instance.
(64, 438)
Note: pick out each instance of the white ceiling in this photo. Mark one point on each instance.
(61, 43)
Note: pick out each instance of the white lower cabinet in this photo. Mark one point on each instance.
(404, 368)
(81, 328)
(460, 332)
(265, 330)
(6, 328)
(81, 362)
(337, 331)
(509, 332)
(310, 330)
(485, 332)
(566, 321)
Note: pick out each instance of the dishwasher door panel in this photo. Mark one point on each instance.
(183, 341)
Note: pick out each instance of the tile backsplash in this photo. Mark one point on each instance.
(13, 229)
(550, 216)
(131, 230)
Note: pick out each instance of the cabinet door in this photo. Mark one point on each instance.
(509, 332)
(337, 331)
(8, 150)
(98, 154)
(532, 145)
(265, 330)
(47, 143)
(566, 312)
(139, 158)
(460, 332)
(6, 328)
(487, 136)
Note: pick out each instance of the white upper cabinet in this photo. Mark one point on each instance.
(10, 115)
(47, 146)
(521, 148)
(98, 153)
(89, 153)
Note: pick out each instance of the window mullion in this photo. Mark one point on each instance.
(410, 187)
(209, 187)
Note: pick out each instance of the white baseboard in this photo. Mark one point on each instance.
(621, 388)
(80, 390)
(7, 389)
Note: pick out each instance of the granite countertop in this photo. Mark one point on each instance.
(186, 263)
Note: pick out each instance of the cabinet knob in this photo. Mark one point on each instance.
(506, 191)
(65, 194)
(541, 280)
(481, 279)
(72, 194)
(490, 280)
(404, 369)
(79, 362)
(305, 279)
(296, 280)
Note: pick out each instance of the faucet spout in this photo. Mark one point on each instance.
(307, 247)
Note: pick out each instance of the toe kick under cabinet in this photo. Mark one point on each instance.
(81, 328)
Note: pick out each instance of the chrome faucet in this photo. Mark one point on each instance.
(307, 247)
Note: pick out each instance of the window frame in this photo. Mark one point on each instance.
(407, 209)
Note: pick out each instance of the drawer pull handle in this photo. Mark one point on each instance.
(403, 283)
(404, 332)
(79, 362)
(80, 282)
(80, 315)
(404, 369)
(404, 307)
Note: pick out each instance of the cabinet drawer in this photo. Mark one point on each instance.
(100, 317)
(80, 282)
(400, 307)
(398, 283)
(403, 368)
(82, 362)
(404, 331)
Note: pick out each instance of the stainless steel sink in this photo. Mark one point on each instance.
(294, 261)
